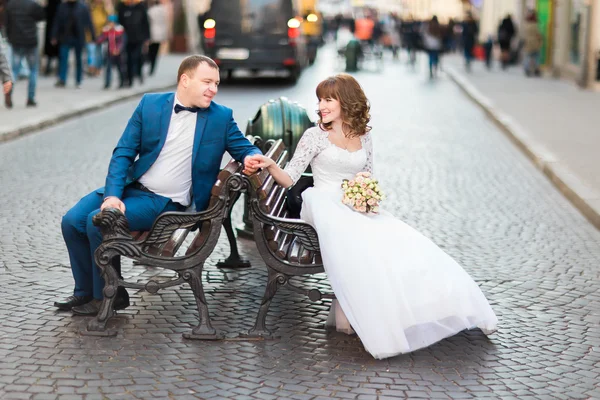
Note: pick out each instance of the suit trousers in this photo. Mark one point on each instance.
(82, 237)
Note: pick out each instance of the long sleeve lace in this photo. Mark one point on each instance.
(367, 144)
(308, 147)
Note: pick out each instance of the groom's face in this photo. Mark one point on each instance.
(203, 85)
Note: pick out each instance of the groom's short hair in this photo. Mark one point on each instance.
(189, 65)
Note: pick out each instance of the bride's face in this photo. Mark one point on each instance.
(330, 110)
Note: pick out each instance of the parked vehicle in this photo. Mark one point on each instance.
(255, 35)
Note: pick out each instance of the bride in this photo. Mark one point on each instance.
(394, 287)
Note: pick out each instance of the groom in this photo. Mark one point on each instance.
(170, 152)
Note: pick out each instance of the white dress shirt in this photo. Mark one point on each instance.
(171, 174)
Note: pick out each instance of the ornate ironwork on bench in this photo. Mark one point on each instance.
(159, 246)
(288, 246)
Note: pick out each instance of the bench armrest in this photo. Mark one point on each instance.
(297, 227)
(114, 226)
(167, 223)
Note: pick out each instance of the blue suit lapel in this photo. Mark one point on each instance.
(201, 120)
(165, 120)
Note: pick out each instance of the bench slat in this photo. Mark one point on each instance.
(274, 152)
(275, 199)
(294, 251)
(265, 188)
(173, 244)
(306, 256)
(231, 168)
(200, 238)
(318, 259)
(284, 244)
(280, 211)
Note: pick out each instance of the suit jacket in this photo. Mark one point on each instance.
(145, 134)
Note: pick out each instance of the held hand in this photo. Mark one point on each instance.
(7, 86)
(251, 164)
(260, 161)
(113, 202)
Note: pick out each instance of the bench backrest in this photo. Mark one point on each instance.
(233, 167)
(272, 200)
(169, 248)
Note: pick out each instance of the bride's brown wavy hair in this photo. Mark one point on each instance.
(353, 102)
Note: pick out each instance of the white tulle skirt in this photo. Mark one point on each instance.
(398, 290)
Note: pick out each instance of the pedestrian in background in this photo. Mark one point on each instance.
(432, 40)
(488, 48)
(21, 19)
(470, 30)
(114, 35)
(158, 17)
(533, 42)
(133, 15)
(506, 32)
(72, 22)
(99, 14)
(50, 49)
(449, 37)
(392, 32)
(410, 35)
(5, 78)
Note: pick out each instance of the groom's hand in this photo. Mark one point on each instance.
(250, 165)
(113, 202)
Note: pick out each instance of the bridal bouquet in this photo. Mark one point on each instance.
(362, 193)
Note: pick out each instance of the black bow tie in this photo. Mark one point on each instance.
(179, 107)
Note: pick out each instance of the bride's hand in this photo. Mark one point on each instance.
(254, 162)
(260, 161)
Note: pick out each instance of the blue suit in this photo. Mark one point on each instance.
(144, 137)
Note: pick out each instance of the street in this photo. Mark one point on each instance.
(448, 171)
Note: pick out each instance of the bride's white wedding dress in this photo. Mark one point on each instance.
(397, 289)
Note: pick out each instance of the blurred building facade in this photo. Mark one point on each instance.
(571, 30)
(576, 44)
(444, 9)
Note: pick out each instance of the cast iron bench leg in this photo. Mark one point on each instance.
(234, 260)
(97, 326)
(204, 330)
(275, 280)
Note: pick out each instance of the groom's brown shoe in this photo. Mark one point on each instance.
(72, 301)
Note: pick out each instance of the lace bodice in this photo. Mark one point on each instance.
(330, 164)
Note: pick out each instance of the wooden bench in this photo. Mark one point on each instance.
(289, 247)
(158, 248)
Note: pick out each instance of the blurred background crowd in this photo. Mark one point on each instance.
(94, 35)
(125, 38)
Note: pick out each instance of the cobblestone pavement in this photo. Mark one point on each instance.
(453, 176)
